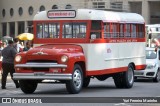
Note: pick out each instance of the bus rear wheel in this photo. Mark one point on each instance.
(118, 80)
(28, 86)
(129, 77)
(74, 85)
(125, 79)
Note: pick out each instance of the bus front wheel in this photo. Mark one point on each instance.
(28, 86)
(74, 85)
(86, 82)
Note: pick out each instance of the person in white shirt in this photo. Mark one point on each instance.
(17, 46)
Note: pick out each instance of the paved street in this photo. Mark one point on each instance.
(142, 88)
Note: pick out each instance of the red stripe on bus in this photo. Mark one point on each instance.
(106, 71)
(113, 70)
(126, 40)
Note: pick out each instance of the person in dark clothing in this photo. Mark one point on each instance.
(8, 54)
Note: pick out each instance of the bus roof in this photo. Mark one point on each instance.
(89, 14)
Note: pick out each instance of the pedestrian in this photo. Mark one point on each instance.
(17, 45)
(4, 44)
(28, 46)
(1, 48)
(8, 54)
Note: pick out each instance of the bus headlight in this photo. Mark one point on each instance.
(64, 58)
(18, 58)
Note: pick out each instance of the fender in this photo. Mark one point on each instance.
(51, 53)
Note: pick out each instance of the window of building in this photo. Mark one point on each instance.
(3, 12)
(30, 10)
(68, 6)
(21, 27)
(12, 29)
(99, 5)
(42, 8)
(54, 7)
(116, 5)
(20, 11)
(4, 29)
(11, 11)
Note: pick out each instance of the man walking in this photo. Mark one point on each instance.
(8, 54)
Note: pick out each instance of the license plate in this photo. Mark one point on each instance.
(39, 73)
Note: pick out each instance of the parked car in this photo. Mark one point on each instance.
(152, 69)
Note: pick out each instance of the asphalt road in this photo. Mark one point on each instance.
(142, 88)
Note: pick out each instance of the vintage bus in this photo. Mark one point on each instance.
(73, 46)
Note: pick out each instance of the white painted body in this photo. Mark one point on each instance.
(121, 55)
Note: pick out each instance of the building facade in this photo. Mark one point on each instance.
(16, 17)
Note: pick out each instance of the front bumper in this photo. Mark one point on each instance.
(41, 76)
(40, 65)
(148, 73)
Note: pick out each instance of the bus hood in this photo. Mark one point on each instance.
(51, 49)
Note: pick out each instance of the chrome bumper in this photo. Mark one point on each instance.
(41, 65)
(41, 76)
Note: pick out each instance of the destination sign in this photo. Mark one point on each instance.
(61, 14)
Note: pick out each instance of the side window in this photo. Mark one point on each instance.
(54, 30)
(96, 25)
(128, 33)
(39, 30)
(67, 30)
(106, 30)
(121, 30)
(46, 31)
(96, 29)
(133, 31)
(140, 31)
(114, 30)
(74, 30)
(82, 30)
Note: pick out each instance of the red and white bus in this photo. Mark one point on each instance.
(72, 46)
